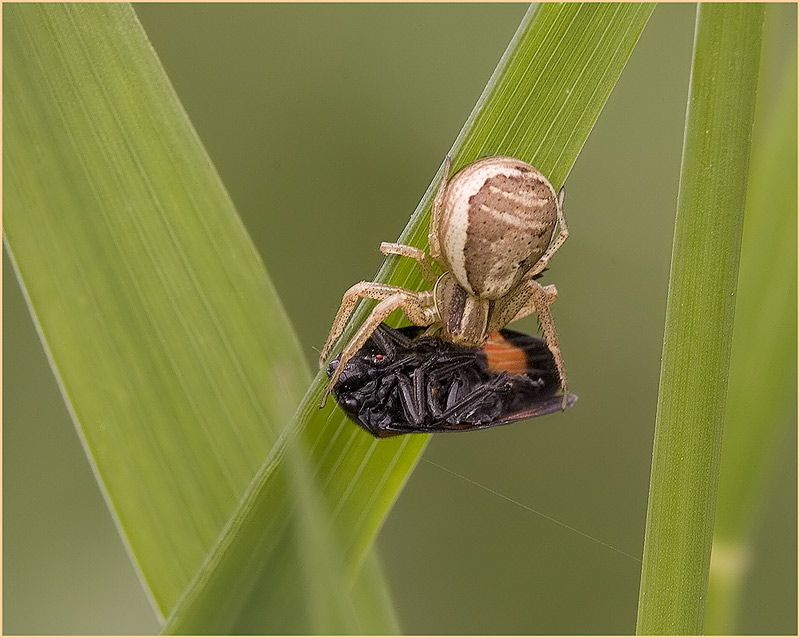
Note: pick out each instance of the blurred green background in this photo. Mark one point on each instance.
(341, 114)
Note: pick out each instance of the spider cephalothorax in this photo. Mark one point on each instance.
(492, 231)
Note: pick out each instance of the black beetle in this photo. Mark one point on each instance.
(402, 382)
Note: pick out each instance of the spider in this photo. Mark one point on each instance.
(492, 232)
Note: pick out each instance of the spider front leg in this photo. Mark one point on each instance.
(424, 262)
(527, 298)
(363, 289)
(417, 306)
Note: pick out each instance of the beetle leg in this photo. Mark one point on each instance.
(433, 329)
(398, 337)
(563, 233)
(529, 297)
(436, 209)
(408, 399)
(464, 407)
(385, 342)
(417, 306)
(442, 374)
(387, 338)
(418, 376)
(423, 260)
(430, 399)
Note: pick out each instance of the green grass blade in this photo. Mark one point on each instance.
(700, 307)
(170, 345)
(540, 105)
(762, 391)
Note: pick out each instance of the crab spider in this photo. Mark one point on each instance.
(492, 231)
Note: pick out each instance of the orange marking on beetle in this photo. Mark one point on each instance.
(502, 355)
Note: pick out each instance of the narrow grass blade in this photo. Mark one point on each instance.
(167, 338)
(540, 105)
(762, 391)
(699, 324)
(170, 345)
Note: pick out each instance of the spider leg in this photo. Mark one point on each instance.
(527, 298)
(417, 307)
(436, 209)
(563, 233)
(424, 262)
(531, 304)
(362, 290)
